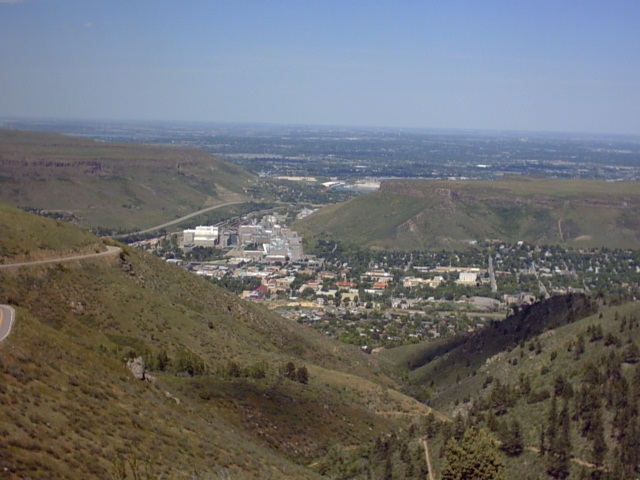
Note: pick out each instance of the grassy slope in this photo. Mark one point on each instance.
(447, 214)
(67, 396)
(29, 237)
(457, 371)
(112, 185)
(449, 362)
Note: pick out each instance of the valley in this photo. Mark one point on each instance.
(310, 332)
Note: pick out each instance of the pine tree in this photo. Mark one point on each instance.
(559, 451)
(631, 353)
(492, 421)
(162, 360)
(458, 427)
(302, 375)
(552, 422)
(431, 426)
(474, 457)
(599, 445)
(290, 371)
(630, 445)
(388, 469)
(512, 442)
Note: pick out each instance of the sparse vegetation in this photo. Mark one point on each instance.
(233, 390)
(214, 361)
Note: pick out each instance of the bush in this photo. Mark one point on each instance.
(302, 375)
(188, 362)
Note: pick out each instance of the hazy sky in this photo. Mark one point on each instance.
(554, 65)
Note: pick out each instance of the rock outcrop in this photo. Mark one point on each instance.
(137, 367)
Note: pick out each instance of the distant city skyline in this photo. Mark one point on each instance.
(496, 65)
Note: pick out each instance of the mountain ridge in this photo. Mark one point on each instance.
(450, 214)
(111, 185)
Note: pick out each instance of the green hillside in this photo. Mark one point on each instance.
(112, 185)
(221, 403)
(235, 391)
(422, 214)
(29, 237)
(570, 352)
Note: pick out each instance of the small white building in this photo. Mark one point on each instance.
(467, 278)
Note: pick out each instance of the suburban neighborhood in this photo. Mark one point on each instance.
(387, 298)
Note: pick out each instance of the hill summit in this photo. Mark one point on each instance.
(435, 214)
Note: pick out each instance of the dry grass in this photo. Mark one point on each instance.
(70, 404)
(112, 185)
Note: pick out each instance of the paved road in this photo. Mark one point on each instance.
(7, 317)
(182, 219)
(110, 251)
(8, 314)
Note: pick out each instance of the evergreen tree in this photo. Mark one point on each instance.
(474, 457)
(631, 353)
(599, 445)
(380, 449)
(162, 360)
(512, 442)
(542, 445)
(458, 427)
(388, 469)
(630, 446)
(409, 470)
(552, 422)
(302, 375)
(431, 426)
(579, 350)
(492, 421)
(289, 371)
(559, 451)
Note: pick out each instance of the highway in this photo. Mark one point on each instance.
(181, 219)
(7, 317)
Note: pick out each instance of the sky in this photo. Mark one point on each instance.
(559, 65)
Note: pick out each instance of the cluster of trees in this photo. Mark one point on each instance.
(184, 362)
(398, 455)
(188, 362)
(473, 456)
(237, 284)
(299, 374)
(256, 371)
(465, 453)
(599, 410)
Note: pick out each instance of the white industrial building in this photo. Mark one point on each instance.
(201, 236)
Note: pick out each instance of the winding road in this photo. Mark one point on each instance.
(181, 219)
(7, 317)
(8, 314)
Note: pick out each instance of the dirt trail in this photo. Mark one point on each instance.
(427, 458)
